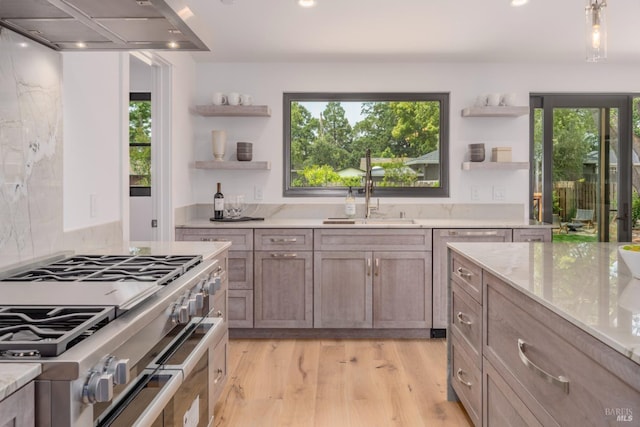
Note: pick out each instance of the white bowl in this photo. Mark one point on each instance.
(631, 258)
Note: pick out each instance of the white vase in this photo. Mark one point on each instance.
(219, 143)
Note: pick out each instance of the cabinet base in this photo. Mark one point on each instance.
(438, 333)
(277, 333)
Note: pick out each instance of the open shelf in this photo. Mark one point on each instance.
(495, 111)
(494, 165)
(232, 110)
(233, 165)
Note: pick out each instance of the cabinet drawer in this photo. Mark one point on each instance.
(240, 270)
(241, 239)
(219, 370)
(531, 235)
(466, 379)
(576, 378)
(466, 320)
(278, 240)
(395, 239)
(501, 407)
(468, 275)
(240, 308)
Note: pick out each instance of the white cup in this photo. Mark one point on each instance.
(493, 99)
(246, 99)
(219, 143)
(219, 98)
(233, 98)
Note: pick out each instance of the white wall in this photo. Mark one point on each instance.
(93, 105)
(464, 81)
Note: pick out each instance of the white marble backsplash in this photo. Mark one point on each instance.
(31, 164)
(507, 211)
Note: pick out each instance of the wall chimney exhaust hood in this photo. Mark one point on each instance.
(68, 25)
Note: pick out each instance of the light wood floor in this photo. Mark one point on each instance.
(337, 383)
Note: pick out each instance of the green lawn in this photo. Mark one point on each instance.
(571, 237)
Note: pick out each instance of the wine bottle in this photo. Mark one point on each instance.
(218, 204)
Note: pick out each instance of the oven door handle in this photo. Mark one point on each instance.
(160, 402)
(205, 343)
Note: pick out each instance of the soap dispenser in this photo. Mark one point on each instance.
(350, 205)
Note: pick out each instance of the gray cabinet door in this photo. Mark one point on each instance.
(342, 296)
(402, 289)
(240, 308)
(440, 239)
(283, 289)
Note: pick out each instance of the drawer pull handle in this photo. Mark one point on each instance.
(210, 239)
(561, 381)
(461, 318)
(290, 240)
(464, 273)
(220, 373)
(377, 267)
(291, 255)
(473, 233)
(459, 378)
(368, 266)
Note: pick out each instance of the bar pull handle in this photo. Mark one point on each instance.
(560, 381)
(284, 240)
(220, 374)
(473, 233)
(465, 274)
(280, 255)
(210, 239)
(368, 266)
(461, 318)
(377, 267)
(459, 378)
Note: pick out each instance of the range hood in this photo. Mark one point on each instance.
(100, 24)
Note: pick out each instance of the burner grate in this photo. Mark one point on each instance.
(49, 331)
(111, 268)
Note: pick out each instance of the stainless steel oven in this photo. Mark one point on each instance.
(174, 389)
(122, 341)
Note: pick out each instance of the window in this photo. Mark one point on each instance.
(140, 144)
(326, 136)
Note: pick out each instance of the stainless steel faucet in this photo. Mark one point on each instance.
(368, 184)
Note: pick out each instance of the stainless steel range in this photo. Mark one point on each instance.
(122, 339)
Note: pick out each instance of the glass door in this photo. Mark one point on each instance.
(581, 176)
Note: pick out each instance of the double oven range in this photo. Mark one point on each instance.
(123, 340)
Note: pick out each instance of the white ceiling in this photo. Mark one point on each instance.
(408, 30)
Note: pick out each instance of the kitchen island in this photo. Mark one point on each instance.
(544, 334)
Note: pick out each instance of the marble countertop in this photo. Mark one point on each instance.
(15, 375)
(588, 284)
(318, 223)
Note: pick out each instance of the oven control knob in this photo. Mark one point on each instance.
(118, 368)
(180, 314)
(215, 284)
(196, 303)
(98, 388)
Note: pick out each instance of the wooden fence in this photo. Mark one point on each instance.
(574, 195)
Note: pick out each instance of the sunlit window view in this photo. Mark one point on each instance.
(327, 137)
(140, 140)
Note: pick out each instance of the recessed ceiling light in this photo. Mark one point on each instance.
(173, 45)
(306, 3)
(81, 45)
(23, 44)
(517, 3)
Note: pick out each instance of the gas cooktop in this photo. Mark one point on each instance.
(110, 268)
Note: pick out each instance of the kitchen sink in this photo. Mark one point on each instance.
(363, 221)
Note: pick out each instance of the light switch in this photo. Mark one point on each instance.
(499, 192)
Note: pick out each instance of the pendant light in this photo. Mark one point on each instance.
(596, 30)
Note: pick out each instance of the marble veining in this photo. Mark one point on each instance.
(588, 284)
(30, 148)
(15, 375)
